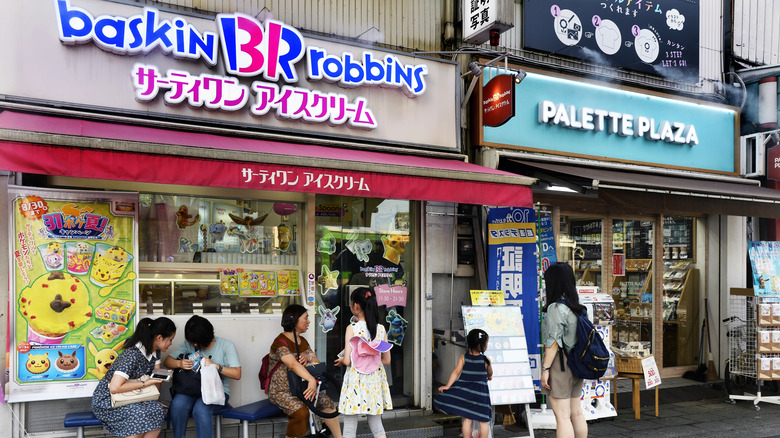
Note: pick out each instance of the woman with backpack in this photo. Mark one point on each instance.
(559, 330)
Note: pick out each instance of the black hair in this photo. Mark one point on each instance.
(290, 317)
(147, 330)
(477, 339)
(560, 284)
(366, 298)
(199, 332)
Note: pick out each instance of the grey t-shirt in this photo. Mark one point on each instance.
(560, 325)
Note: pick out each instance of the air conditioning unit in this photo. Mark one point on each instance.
(753, 152)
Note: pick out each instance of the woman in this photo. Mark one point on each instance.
(559, 329)
(199, 336)
(295, 322)
(137, 361)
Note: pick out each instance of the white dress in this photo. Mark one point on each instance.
(365, 393)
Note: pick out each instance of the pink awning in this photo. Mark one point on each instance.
(79, 148)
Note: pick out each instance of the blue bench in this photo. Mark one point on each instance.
(251, 412)
(80, 420)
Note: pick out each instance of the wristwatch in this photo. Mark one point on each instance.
(544, 368)
(219, 369)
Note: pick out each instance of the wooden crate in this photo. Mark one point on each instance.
(628, 364)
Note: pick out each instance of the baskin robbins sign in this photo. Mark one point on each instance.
(250, 49)
(233, 69)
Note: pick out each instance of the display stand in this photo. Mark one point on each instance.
(512, 381)
(752, 354)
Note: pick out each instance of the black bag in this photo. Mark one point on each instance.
(185, 382)
(298, 385)
(589, 359)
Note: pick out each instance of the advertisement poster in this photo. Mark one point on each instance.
(288, 282)
(648, 36)
(512, 268)
(512, 381)
(73, 301)
(547, 241)
(765, 261)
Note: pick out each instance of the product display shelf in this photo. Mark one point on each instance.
(680, 313)
(751, 359)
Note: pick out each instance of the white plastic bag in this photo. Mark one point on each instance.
(211, 389)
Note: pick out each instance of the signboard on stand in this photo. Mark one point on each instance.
(73, 300)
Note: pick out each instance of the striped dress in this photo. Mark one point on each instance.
(469, 396)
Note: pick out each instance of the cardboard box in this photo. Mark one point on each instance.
(112, 309)
(765, 314)
(764, 340)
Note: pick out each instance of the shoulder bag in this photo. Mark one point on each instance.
(147, 393)
(185, 382)
(298, 385)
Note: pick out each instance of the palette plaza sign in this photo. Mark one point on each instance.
(240, 69)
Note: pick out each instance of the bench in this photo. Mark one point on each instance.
(80, 420)
(251, 412)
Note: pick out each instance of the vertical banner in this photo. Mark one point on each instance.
(512, 268)
(547, 241)
(72, 294)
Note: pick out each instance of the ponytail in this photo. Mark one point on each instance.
(147, 330)
(366, 299)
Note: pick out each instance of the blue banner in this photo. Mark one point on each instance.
(513, 269)
(547, 242)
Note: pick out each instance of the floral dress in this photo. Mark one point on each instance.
(135, 418)
(279, 387)
(365, 393)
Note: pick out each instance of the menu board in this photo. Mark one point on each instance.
(73, 302)
(765, 261)
(507, 350)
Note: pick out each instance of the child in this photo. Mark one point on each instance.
(466, 393)
(365, 389)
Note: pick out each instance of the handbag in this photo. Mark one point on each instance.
(146, 393)
(298, 385)
(186, 382)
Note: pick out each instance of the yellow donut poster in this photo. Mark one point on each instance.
(73, 283)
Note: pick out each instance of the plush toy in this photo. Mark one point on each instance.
(217, 231)
(183, 218)
(397, 327)
(248, 220)
(328, 318)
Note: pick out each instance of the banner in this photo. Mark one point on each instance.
(512, 268)
(765, 261)
(73, 300)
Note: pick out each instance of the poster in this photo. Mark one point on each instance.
(73, 300)
(660, 38)
(288, 282)
(765, 261)
(513, 268)
(512, 381)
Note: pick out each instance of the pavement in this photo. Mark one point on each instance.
(701, 410)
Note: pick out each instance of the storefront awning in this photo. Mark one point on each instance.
(49, 145)
(666, 192)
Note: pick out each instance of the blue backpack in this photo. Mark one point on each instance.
(589, 359)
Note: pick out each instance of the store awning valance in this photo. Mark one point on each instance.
(663, 193)
(49, 145)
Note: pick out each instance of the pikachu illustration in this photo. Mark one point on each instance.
(103, 358)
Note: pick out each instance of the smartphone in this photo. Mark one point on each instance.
(161, 374)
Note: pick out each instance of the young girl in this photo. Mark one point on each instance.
(365, 389)
(466, 393)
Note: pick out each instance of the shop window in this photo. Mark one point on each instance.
(367, 242)
(581, 244)
(214, 255)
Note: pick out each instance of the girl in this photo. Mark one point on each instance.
(467, 393)
(142, 356)
(559, 330)
(365, 389)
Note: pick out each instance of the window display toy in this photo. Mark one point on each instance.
(217, 231)
(249, 242)
(103, 358)
(329, 279)
(66, 363)
(284, 235)
(204, 232)
(397, 327)
(186, 245)
(395, 245)
(248, 220)
(183, 218)
(329, 319)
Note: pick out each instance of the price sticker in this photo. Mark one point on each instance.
(33, 207)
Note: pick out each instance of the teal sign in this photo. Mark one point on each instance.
(580, 119)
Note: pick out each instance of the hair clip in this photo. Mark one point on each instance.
(368, 294)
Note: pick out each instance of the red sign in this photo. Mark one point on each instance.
(618, 265)
(773, 163)
(498, 100)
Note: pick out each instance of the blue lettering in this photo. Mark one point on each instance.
(419, 72)
(353, 71)
(205, 46)
(403, 75)
(227, 28)
(315, 55)
(138, 40)
(180, 42)
(287, 61)
(75, 24)
(112, 39)
(156, 35)
(375, 70)
(332, 68)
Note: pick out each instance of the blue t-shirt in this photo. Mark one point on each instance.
(223, 352)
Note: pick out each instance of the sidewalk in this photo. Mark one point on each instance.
(705, 413)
